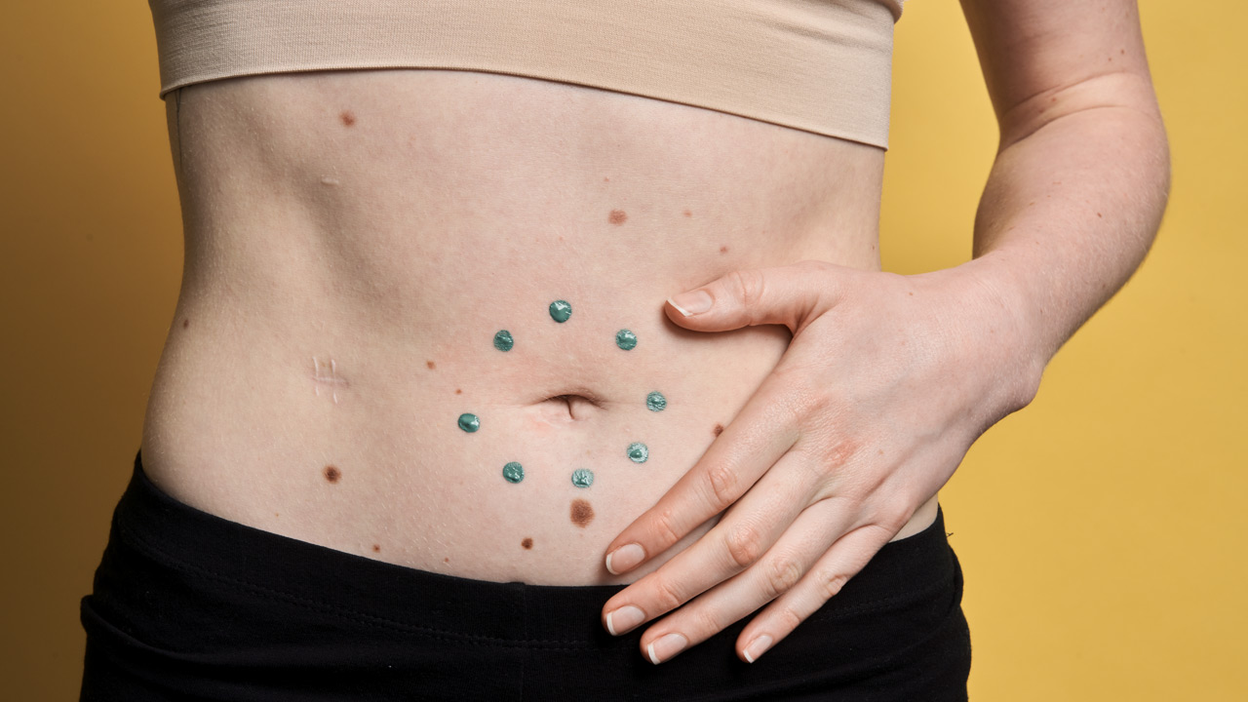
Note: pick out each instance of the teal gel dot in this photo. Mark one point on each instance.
(503, 340)
(637, 452)
(656, 402)
(469, 422)
(625, 339)
(560, 310)
(513, 472)
(582, 478)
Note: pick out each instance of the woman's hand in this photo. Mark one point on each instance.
(886, 383)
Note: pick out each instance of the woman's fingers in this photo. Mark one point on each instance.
(740, 539)
(782, 567)
(822, 582)
(788, 295)
(764, 430)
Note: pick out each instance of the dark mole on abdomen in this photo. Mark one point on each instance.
(430, 365)
(186, 323)
(617, 217)
(719, 429)
(332, 474)
(376, 548)
(347, 117)
(527, 543)
(582, 513)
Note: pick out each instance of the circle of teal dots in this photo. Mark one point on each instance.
(503, 340)
(625, 339)
(560, 310)
(655, 401)
(637, 452)
(469, 422)
(582, 478)
(513, 472)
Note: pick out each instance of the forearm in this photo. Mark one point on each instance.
(1068, 213)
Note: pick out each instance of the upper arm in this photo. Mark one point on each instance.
(1043, 59)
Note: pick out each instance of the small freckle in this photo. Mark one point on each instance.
(446, 560)
(527, 543)
(1098, 214)
(606, 180)
(1122, 51)
(617, 217)
(881, 452)
(332, 474)
(186, 323)
(719, 429)
(430, 365)
(1053, 100)
(347, 118)
(459, 391)
(275, 514)
(376, 548)
(723, 249)
(688, 213)
(911, 294)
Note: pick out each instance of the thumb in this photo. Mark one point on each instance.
(788, 295)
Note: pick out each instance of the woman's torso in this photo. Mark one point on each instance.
(354, 241)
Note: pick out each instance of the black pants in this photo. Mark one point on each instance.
(190, 606)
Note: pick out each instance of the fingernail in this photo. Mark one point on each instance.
(691, 303)
(625, 558)
(757, 648)
(666, 647)
(624, 619)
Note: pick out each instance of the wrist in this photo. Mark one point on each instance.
(1006, 323)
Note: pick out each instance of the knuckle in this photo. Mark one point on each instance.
(664, 528)
(667, 596)
(745, 546)
(722, 480)
(789, 618)
(748, 286)
(706, 620)
(782, 574)
(830, 583)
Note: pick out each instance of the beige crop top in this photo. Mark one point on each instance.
(823, 66)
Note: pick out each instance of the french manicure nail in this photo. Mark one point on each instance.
(757, 648)
(691, 303)
(665, 647)
(624, 619)
(625, 558)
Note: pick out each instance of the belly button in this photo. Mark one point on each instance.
(565, 408)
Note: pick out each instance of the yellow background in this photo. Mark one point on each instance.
(1100, 529)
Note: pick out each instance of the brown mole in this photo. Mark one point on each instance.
(723, 249)
(617, 217)
(347, 118)
(688, 213)
(527, 543)
(458, 391)
(719, 429)
(582, 513)
(332, 474)
(186, 323)
(376, 547)
(430, 365)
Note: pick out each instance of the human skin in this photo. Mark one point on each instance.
(862, 421)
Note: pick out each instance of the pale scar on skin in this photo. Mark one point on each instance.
(326, 373)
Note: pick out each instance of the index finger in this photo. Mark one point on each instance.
(759, 435)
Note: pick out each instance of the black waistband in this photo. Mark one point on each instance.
(397, 597)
